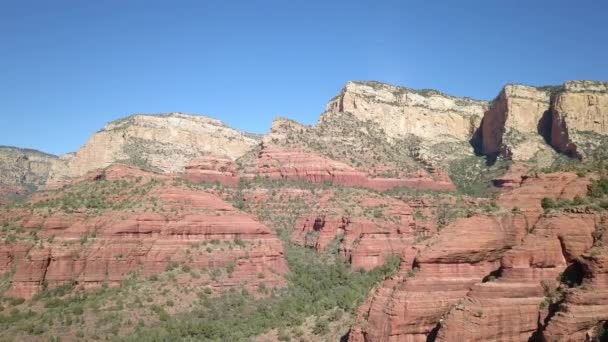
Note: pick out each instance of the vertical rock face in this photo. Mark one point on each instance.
(401, 111)
(513, 306)
(23, 170)
(161, 143)
(584, 308)
(572, 118)
(485, 277)
(580, 118)
(512, 126)
(408, 308)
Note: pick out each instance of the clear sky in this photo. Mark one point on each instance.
(68, 67)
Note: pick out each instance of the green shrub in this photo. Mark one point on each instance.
(54, 303)
(16, 301)
(284, 336)
(230, 267)
(78, 310)
(578, 201)
(598, 188)
(162, 314)
(548, 203)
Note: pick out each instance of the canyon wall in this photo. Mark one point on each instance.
(580, 118)
(400, 111)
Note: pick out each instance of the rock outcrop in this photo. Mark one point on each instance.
(399, 111)
(212, 169)
(155, 227)
(486, 277)
(585, 308)
(390, 228)
(275, 162)
(514, 306)
(161, 143)
(514, 125)
(435, 128)
(525, 123)
(23, 170)
(408, 308)
(580, 118)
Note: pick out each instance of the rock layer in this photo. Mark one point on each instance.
(161, 143)
(513, 125)
(407, 308)
(401, 111)
(512, 307)
(276, 163)
(23, 170)
(485, 277)
(184, 227)
(580, 118)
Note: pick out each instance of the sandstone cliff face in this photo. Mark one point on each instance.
(486, 277)
(23, 170)
(522, 121)
(401, 111)
(436, 128)
(279, 163)
(343, 137)
(408, 307)
(161, 143)
(513, 124)
(514, 306)
(133, 221)
(584, 308)
(580, 118)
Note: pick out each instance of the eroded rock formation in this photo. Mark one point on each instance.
(490, 277)
(408, 308)
(23, 170)
(580, 118)
(400, 111)
(165, 226)
(514, 124)
(161, 143)
(276, 162)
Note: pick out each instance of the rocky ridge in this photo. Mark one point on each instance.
(580, 119)
(126, 220)
(527, 263)
(161, 143)
(23, 170)
(400, 111)
(526, 123)
(510, 280)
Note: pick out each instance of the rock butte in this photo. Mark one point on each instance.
(119, 242)
(522, 118)
(23, 170)
(400, 111)
(162, 143)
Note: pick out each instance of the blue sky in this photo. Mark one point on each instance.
(68, 67)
